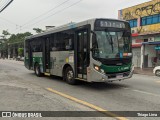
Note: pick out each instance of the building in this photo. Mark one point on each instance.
(144, 20)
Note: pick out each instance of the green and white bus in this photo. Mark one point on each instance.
(95, 50)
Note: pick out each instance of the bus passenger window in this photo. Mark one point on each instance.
(85, 41)
(68, 37)
(68, 44)
(26, 46)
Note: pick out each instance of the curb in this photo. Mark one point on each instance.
(150, 74)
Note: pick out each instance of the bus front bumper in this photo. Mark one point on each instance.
(101, 77)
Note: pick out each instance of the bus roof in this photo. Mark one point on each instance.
(69, 26)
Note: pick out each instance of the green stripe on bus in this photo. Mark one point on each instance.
(116, 68)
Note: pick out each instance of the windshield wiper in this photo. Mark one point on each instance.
(111, 43)
(110, 39)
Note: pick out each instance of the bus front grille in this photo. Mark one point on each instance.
(114, 75)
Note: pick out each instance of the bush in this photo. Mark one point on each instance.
(20, 52)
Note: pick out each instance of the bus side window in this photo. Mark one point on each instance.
(72, 39)
(26, 46)
(36, 45)
(55, 42)
(62, 41)
(68, 37)
(80, 48)
(85, 41)
(52, 39)
(67, 44)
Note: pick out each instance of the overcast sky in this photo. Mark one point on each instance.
(24, 15)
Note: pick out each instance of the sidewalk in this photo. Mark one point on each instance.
(13, 61)
(144, 71)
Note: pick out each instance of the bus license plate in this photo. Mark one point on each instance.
(119, 76)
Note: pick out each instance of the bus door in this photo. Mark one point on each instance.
(82, 53)
(46, 55)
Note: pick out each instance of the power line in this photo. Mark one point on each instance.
(2, 3)
(5, 6)
(8, 21)
(42, 14)
(46, 12)
(54, 13)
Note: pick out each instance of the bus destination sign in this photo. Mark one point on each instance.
(113, 24)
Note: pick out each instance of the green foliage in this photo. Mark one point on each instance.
(38, 30)
(20, 51)
(14, 40)
(3, 49)
(5, 32)
(18, 37)
(3, 46)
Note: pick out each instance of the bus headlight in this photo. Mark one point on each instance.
(96, 67)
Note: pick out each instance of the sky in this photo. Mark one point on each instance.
(24, 15)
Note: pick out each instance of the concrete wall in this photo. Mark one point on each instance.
(139, 11)
(136, 57)
(154, 28)
(149, 49)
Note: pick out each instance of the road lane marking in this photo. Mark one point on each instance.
(104, 111)
(146, 93)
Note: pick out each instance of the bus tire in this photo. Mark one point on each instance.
(157, 73)
(69, 76)
(37, 70)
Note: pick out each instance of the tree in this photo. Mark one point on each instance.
(5, 33)
(14, 38)
(4, 43)
(15, 41)
(38, 30)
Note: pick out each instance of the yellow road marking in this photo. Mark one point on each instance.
(87, 104)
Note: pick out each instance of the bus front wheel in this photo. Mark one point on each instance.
(69, 76)
(37, 70)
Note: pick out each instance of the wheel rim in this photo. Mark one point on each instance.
(158, 73)
(70, 75)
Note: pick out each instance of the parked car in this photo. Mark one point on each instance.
(18, 58)
(156, 71)
(22, 59)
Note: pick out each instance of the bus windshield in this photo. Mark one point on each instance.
(111, 44)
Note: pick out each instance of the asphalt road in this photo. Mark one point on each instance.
(21, 90)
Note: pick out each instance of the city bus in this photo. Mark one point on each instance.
(95, 50)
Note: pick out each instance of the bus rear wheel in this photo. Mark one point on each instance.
(69, 76)
(37, 70)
